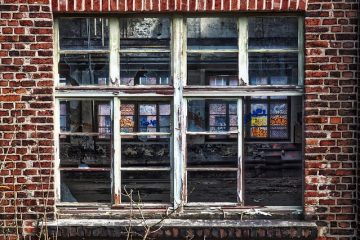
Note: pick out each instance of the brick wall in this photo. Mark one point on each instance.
(26, 106)
(26, 114)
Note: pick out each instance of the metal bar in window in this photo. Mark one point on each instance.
(241, 136)
(243, 55)
(146, 134)
(179, 79)
(114, 27)
(83, 51)
(216, 169)
(146, 50)
(212, 133)
(301, 51)
(241, 92)
(117, 152)
(84, 134)
(111, 93)
(92, 169)
(273, 50)
(212, 51)
(145, 169)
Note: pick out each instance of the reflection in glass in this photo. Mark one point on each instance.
(85, 186)
(84, 69)
(211, 33)
(273, 68)
(212, 69)
(146, 186)
(145, 33)
(273, 32)
(84, 33)
(145, 69)
(212, 186)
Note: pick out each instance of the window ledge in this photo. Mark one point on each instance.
(185, 228)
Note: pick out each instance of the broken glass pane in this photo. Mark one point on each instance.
(203, 151)
(86, 116)
(212, 115)
(212, 33)
(273, 32)
(212, 69)
(145, 33)
(140, 153)
(145, 69)
(273, 68)
(145, 186)
(84, 69)
(84, 33)
(212, 186)
(85, 186)
(85, 151)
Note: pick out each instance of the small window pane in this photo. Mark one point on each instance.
(273, 69)
(85, 151)
(84, 69)
(273, 32)
(85, 186)
(212, 186)
(145, 186)
(84, 33)
(203, 151)
(145, 153)
(145, 33)
(212, 115)
(145, 69)
(212, 69)
(85, 116)
(212, 33)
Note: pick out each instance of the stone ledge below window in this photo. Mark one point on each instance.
(183, 229)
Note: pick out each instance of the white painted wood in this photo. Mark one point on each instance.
(56, 54)
(145, 50)
(212, 51)
(238, 93)
(114, 45)
(211, 133)
(301, 58)
(146, 134)
(87, 94)
(85, 51)
(57, 180)
(116, 151)
(275, 50)
(241, 136)
(145, 169)
(243, 54)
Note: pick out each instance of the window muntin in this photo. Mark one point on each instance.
(202, 171)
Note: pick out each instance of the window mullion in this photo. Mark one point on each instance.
(241, 135)
(57, 151)
(301, 51)
(114, 46)
(116, 152)
(243, 54)
(56, 56)
(179, 79)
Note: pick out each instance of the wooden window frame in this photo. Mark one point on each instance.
(179, 93)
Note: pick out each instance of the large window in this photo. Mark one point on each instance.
(179, 111)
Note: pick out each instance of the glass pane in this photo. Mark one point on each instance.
(212, 69)
(84, 69)
(145, 69)
(84, 33)
(278, 120)
(142, 153)
(85, 151)
(278, 108)
(212, 115)
(212, 33)
(85, 186)
(145, 33)
(145, 186)
(279, 132)
(273, 32)
(85, 116)
(203, 151)
(273, 68)
(258, 132)
(212, 186)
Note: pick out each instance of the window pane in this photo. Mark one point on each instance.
(212, 69)
(145, 69)
(84, 33)
(85, 151)
(145, 186)
(145, 33)
(273, 32)
(212, 186)
(212, 33)
(85, 116)
(142, 153)
(273, 166)
(145, 117)
(212, 115)
(84, 69)
(273, 68)
(204, 151)
(85, 186)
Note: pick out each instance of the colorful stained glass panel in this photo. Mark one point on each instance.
(278, 108)
(259, 132)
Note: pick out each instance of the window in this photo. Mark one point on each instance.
(175, 111)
